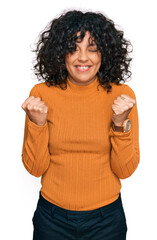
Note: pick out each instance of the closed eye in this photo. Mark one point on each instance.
(96, 50)
(92, 48)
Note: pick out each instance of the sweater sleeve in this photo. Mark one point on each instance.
(125, 153)
(35, 152)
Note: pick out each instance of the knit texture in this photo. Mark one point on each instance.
(77, 154)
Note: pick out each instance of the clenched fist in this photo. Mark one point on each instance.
(122, 106)
(36, 110)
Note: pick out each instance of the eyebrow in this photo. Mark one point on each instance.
(92, 44)
(89, 45)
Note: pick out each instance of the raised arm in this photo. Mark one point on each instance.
(35, 152)
(125, 152)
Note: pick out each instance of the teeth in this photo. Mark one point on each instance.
(82, 67)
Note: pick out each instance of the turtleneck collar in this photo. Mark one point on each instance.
(83, 88)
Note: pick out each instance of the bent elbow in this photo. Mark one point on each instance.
(30, 170)
(127, 170)
(130, 169)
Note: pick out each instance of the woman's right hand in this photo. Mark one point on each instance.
(36, 110)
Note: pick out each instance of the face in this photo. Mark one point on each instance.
(83, 64)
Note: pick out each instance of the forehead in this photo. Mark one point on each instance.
(88, 39)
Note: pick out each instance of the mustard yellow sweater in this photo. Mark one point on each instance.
(77, 154)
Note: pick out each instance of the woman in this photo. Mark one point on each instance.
(81, 129)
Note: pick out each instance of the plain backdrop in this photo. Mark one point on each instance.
(20, 24)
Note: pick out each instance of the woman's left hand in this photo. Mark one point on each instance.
(122, 106)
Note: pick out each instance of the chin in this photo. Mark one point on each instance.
(83, 77)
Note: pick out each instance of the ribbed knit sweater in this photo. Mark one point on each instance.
(77, 154)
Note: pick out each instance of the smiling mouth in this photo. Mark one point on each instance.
(83, 68)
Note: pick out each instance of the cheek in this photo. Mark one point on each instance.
(67, 64)
(69, 60)
(97, 59)
(98, 62)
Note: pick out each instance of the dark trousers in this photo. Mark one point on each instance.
(52, 222)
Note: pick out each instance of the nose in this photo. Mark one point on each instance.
(83, 56)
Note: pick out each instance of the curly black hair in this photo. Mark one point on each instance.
(60, 38)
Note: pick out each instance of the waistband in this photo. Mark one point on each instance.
(72, 213)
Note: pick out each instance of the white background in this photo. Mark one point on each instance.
(20, 24)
